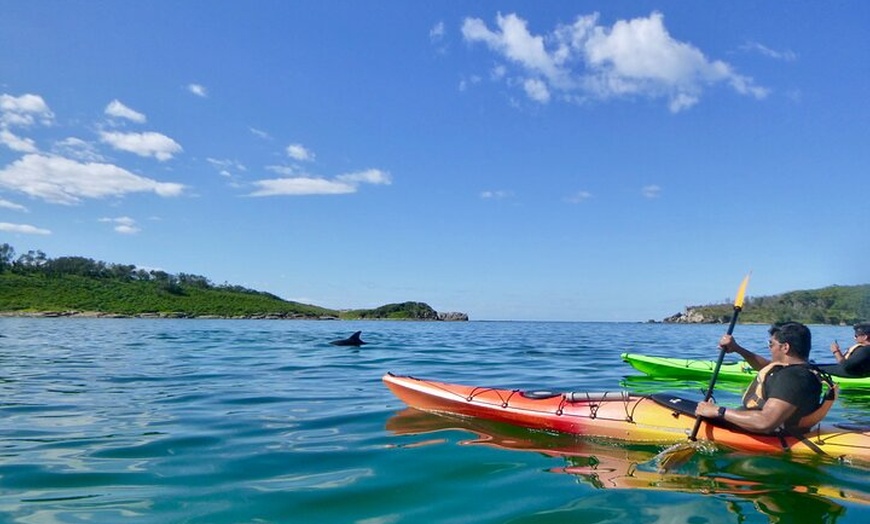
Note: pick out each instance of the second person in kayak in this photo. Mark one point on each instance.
(785, 393)
(855, 361)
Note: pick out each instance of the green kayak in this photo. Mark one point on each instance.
(687, 369)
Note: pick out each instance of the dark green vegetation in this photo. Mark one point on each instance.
(403, 311)
(35, 284)
(830, 305)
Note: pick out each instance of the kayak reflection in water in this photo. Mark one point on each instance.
(775, 485)
(787, 389)
(855, 362)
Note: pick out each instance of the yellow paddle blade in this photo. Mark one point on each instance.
(741, 293)
(680, 453)
(675, 456)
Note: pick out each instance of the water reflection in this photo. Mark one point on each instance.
(784, 489)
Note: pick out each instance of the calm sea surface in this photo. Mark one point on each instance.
(225, 421)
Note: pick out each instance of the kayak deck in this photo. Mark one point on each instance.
(617, 415)
(687, 368)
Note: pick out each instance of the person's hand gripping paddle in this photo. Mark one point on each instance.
(680, 453)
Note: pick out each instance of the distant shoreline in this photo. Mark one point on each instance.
(189, 316)
(179, 315)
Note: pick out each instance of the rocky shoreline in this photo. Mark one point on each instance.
(170, 315)
(691, 316)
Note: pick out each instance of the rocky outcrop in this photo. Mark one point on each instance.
(453, 316)
(691, 316)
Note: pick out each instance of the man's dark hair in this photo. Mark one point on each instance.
(796, 335)
(862, 328)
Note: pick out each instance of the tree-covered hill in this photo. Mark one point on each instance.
(403, 311)
(830, 305)
(34, 284)
(35, 293)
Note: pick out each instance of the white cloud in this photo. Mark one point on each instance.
(11, 205)
(536, 89)
(146, 144)
(78, 149)
(369, 176)
(198, 90)
(126, 230)
(26, 229)
(285, 171)
(514, 41)
(61, 180)
(118, 110)
(301, 186)
(306, 185)
(123, 225)
(436, 34)
(473, 80)
(299, 152)
(24, 110)
(786, 56)
(17, 143)
(226, 167)
(496, 195)
(651, 191)
(260, 133)
(636, 57)
(579, 197)
(436, 38)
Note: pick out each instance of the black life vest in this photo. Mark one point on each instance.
(754, 396)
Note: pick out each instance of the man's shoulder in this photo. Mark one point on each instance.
(797, 368)
(797, 373)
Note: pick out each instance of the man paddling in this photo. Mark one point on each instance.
(786, 391)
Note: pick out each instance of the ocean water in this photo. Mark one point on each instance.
(232, 421)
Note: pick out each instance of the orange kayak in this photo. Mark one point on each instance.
(642, 419)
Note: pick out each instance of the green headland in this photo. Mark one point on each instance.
(33, 284)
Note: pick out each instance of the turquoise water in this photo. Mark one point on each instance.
(224, 421)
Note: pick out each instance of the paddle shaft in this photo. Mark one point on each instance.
(709, 393)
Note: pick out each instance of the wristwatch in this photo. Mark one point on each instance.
(721, 412)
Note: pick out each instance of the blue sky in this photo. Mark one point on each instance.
(611, 161)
